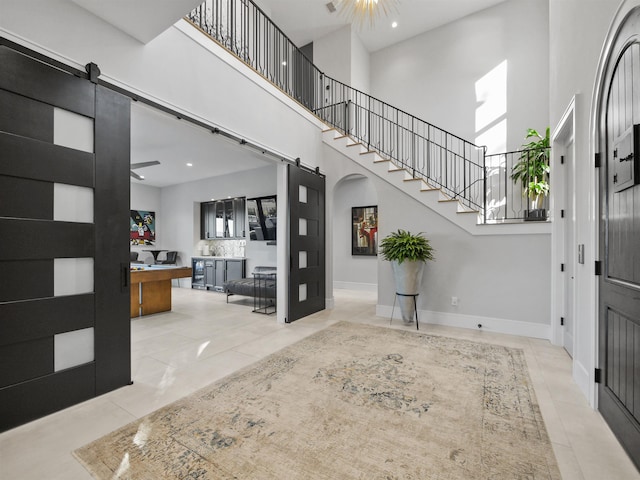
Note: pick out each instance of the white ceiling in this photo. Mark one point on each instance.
(142, 19)
(304, 21)
(156, 135)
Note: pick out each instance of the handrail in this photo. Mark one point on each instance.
(442, 159)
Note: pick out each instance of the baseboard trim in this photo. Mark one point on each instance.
(361, 287)
(583, 380)
(489, 324)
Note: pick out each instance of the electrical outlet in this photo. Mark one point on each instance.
(455, 301)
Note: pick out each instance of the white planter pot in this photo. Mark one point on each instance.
(408, 276)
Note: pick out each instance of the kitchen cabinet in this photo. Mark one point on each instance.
(223, 219)
(218, 270)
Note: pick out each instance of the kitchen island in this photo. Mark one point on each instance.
(151, 287)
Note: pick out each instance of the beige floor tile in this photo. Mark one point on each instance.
(567, 463)
(204, 339)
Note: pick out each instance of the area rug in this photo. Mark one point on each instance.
(349, 402)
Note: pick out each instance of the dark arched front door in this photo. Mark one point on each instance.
(619, 286)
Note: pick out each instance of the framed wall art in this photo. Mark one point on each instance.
(143, 227)
(364, 230)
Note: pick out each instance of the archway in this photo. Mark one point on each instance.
(353, 272)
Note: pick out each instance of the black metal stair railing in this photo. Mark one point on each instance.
(442, 159)
(506, 199)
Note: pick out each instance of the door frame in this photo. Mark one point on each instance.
(563, 145)
(564, 131)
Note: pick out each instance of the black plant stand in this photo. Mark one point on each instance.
(415, 306)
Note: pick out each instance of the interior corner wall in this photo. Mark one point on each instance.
(144, 197)
(360, 65)
(437, 76)
(332, 54)
(352, 272)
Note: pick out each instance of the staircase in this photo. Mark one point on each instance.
(432, 197)
(443, 171)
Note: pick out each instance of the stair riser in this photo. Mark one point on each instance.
(402, 179)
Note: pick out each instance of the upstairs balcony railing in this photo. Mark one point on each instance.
(442, 159)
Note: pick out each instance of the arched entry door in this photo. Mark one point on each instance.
(619, 285)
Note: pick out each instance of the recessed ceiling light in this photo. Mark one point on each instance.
(189, 164)
(284, 63)
(394, 24)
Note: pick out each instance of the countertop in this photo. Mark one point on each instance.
(217, 256)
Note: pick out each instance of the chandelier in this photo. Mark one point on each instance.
(359, 12)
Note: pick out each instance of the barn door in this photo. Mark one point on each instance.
(64, 201)
(306, 243)
(619, 285)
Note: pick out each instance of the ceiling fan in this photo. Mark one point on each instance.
(141, 165)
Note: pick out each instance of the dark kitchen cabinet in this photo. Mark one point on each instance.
(223, 219)
(213, 272)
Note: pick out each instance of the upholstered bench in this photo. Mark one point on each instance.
(249, 287)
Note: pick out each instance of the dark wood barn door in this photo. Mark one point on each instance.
(306, 243)
(64, 202)
(619, 285)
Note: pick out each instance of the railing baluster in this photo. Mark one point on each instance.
(444, 160)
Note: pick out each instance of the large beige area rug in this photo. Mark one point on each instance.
(349, 402)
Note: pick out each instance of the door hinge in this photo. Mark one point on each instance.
(562, 321)
(598, 267)
(562, 213)
(598, 375)
(562, 267)
(561, 159)
(597, 160)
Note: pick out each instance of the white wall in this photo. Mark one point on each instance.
(342, 56)
(180, 208)
(577, 32)
(144, 197)
(351, 272)
(189, 78)
(332, 54)
(437, 76)
(360, 65)
(501, 281)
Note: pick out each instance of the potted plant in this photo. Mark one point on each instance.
(407, 253)
(532, 171)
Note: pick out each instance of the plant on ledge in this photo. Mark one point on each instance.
(407, 254)
(532, 171)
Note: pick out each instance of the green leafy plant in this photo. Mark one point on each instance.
(403, 245)
(532, 168)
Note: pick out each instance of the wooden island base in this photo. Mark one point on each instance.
(151, 288)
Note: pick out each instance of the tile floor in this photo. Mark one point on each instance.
(204, 339)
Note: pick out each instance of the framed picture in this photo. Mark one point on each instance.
(364, 230)
(142, 227)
